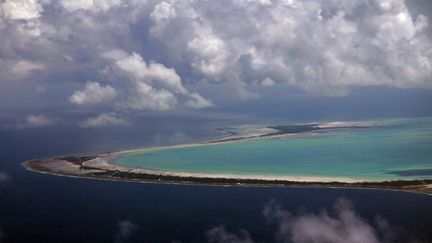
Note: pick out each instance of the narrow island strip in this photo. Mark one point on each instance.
(100, 167)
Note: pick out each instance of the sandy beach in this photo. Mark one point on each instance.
(106, 171)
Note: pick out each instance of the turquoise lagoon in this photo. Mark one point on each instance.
(396, 149)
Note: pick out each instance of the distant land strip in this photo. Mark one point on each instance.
(98, 167)
(74, 166)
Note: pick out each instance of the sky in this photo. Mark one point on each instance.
(94, 64)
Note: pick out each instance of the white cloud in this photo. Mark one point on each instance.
(21, 9)
(209, 52)
(34, 121)
(38, 120)
(322, 47)
(92, 5)
(267, 82)
(104, 119)
(4, 177)
(135, 67)
(31, 121)
(24, 67)
(197, 101)
(342, 225)
(163, 11)
(156, 87)
(125, 229)
(146, 97)
(94, 93)
(73, 5)
(16, 70)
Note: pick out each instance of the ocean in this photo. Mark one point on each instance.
(45, 208)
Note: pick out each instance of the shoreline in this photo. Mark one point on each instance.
(100, 166)
(43, 167)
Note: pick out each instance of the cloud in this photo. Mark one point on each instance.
(221, 235)
(343, 224)
(4, 177)
(156, 52)
(21, 9)
(32, 121)
(125, 229)
(147, 97)
(197, 101)
(16, 70)
(37, 121)
(156, 87)
(94, 93)
(267, 82)
(322, 47)
(134, 66)
(103, 120)
(91, 5)
(24, 67)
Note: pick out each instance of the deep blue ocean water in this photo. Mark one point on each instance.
(45, 208)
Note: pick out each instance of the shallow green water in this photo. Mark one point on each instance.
(398, 150)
